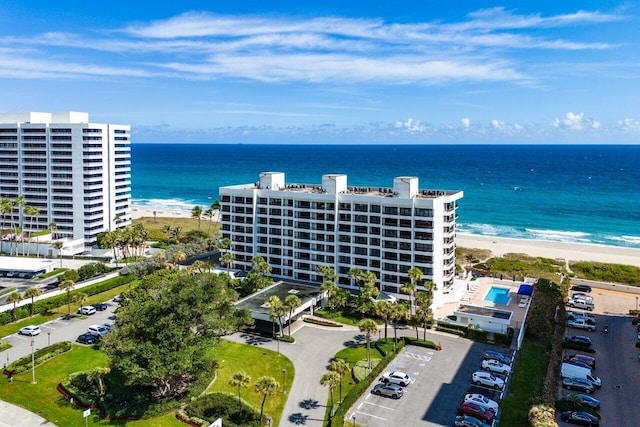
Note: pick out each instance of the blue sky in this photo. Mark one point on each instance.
(326, 72)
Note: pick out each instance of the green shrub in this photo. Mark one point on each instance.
(286, 338)
(4, 346)
(450, 330)
(477, 334)
(322, 322)
(222, 405)
(420, 343)
(361, 369)
(24, 363)
(635, 321)
(77, 386)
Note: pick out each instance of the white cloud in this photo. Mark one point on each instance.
(577, 121)
(629, 124)
(411, 126)
(466, 122)
(497, 124)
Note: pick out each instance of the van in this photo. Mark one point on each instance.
(97, 330)
(572, 371)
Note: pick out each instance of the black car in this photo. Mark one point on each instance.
(581, 288)
(579, 339)
(100, 306)
(579, 417)
(88, 339)
(582, 399)
(494, 355)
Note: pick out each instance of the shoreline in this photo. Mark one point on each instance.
(497, 245)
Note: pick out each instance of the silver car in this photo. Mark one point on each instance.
(389, 390)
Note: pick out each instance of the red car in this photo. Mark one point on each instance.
(476, 411)
(591, 361)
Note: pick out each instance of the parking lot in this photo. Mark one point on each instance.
(442, 378)
(54, 331)
(617, 358)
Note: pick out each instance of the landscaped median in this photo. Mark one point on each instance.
(355, 385)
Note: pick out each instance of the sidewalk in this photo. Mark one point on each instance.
(15, 416)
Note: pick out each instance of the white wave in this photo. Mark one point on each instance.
(631, 240)
(168, 204)
(560, 236)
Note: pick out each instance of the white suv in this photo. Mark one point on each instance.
(397, 377)
(97, 330)
(487, 379)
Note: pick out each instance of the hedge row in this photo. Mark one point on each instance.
(322, 322)
(76, 385)
(286, 338)
(40, 356)
(474, 333)
(45, 305)
(225, 406)
(357, 391)
(421, 343)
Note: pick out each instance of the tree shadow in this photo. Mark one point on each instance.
(356, 340)
(309, 404)
(254, 339)
(298, 418)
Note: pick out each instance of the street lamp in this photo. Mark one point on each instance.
(636, 305)
(353, 417)
(284, 378)
(33, 363)
(48, 338)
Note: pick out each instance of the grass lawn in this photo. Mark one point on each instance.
(39, 319)
(256, 362)
(155, 227)
(347, 318)
(527, 381)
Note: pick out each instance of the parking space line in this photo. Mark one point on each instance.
(379, 406)
(373, 416)
(49, 327)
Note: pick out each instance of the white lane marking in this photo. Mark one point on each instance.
(373, 416)
(380, 406)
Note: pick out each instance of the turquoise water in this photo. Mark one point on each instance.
(498, 296)
(563, 193)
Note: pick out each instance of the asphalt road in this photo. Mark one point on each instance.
(53, 331)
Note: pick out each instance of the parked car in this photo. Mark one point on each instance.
(31, 330)
(580, 303)
(591, 361)
(483, 400)
(577, 363)
(397, 377)
(588, 318)
(578, 339)
(468, 421)
(581, 324)
(495, 366)
(101, 306)
(117, 298)
(389, 390)
(88, 339)
(494, 355)
(97, 330)
(87, 310)
(487, 379)
(477, 411)
(582, 399)
(578, 384)
(581, 288)
(579, 417)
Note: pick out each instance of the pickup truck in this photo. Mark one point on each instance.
(580, 303)
(581, 324)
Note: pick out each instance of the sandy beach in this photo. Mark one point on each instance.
(497, 245)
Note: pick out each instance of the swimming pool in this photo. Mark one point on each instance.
(498, 296)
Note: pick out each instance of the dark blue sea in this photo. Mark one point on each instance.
(564, 193)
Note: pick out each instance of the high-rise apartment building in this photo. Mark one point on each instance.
(76, 173)
(297, 227)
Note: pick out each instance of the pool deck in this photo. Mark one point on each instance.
(475, 296)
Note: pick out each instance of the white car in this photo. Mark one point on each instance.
(483, 400)
(87, 311)
(487, 379)
(397, 377)
(30, 330)
(495, 366)
(97, 330)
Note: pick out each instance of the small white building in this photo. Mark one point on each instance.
(488, 318)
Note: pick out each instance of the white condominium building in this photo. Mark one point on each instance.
(297, 227)
(76, 173)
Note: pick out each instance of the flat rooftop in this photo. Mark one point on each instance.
(24, 264)
(485, 311)
(365, 191)
(255, 302)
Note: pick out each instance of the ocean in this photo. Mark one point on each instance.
(564, 193)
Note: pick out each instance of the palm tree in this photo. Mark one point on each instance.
(409, 288)
(330, 379)
(240, 379)
(208, 214)
(18, 202)
(415, 275)
(261, 265)
(54, 229)
(225, 244)
(330, 288)
(196, 212)
(14, 298)
(6, 208)
(265, 387)
(368, 327)
(32, 293)
(96, 374)
(67, 285)
(398, 314)
(384, 310)
(276, 311)
(57, 245)
(355, 274)
(328, 274)
(291, 302)
(425, 316)
(80, 298)
(341, 367)
(226, 260)
(216, 206)
(32, 213)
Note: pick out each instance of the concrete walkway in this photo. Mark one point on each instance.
(15, 416)
(311, 355)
